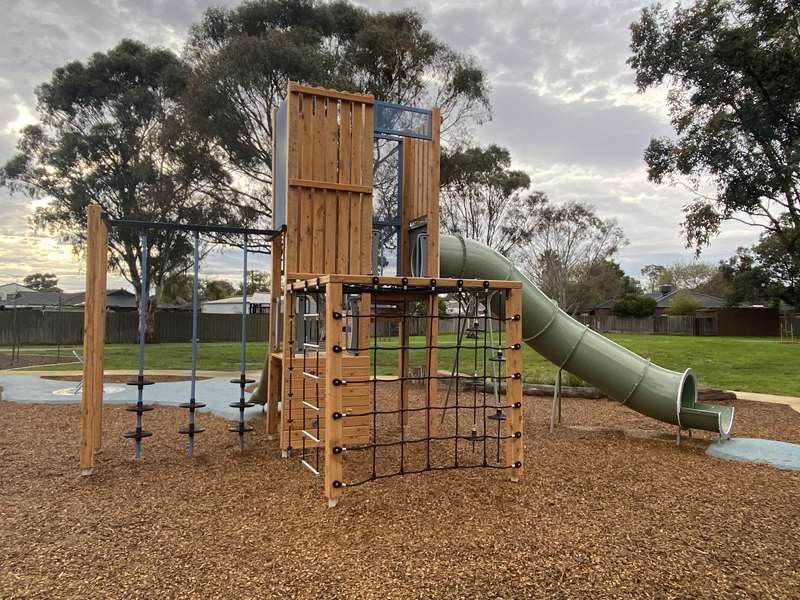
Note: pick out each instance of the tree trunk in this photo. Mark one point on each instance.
(150, 321)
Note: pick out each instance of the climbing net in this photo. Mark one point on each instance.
(410, 375)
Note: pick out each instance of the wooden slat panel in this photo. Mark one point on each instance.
(305, 89)
(433, 196)
(327, 185)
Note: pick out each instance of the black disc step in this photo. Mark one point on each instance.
(142, 383)
(241, 404)
(498, 416)
(140, 409)
(240, 428)
(191, 429)
(243, 381)
(137, 435)
(474, 437)
(191, 405)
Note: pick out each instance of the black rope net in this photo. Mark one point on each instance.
(402, 412)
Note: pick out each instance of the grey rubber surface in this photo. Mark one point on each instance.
(782, 455)
(216, 393)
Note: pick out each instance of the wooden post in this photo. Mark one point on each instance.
(402, 365)
(514, 447)
(94, 326)
(433, 195)
(274, 364)
(432, 364)
(334, 390)
(286, 374)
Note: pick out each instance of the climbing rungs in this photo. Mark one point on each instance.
(311, 406)
(308, 466)
(313, 438)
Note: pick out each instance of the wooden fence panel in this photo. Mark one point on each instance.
(52, 327)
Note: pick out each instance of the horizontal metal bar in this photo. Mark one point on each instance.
(309, 467)
(311, 406)
(310, 375)
(414, 109)
(310, 315)
(403, 133)
(311, 437)
(272, 233)
(310, 345)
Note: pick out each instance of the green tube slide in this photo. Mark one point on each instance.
(626, 377)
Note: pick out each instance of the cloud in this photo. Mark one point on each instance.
(565, 105)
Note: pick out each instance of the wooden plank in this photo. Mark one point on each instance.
(329, 93)
(306, 205)
(432, 364)
(336, 262)
(99, 317)
(294, 133)
(513, 448)
(402, 365)
(288, 309)
(412, 281)
(365, 239)
(90, 376)
(334, 467)
(329, 185)
(433, 196)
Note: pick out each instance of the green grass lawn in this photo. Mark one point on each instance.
(750, 364)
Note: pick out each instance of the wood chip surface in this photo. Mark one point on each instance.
(608, 508)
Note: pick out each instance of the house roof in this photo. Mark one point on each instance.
(114, 298)
(256, 298)
(707, 300)
(666, 300)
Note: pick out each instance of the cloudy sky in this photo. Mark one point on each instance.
(564, 104)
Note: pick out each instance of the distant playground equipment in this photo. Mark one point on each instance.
(356, 247)
(787, 330)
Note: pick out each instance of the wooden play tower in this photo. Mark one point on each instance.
(332, 283)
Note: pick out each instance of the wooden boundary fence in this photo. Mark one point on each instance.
(53, 327)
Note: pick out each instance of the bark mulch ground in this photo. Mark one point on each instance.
(32, 360)
(608, 507)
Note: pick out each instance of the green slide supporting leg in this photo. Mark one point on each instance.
(626, 377)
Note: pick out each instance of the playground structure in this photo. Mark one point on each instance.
(356, 248)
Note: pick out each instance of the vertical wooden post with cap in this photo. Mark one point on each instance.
(334, 407)
(94, 331)
(514, 446)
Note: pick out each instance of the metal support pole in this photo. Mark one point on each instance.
(139, 408)
(240, 427)
(193, 405)
(555, 410)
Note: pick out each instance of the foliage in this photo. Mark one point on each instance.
(483, 199)
(761, 274)
(683, 304)
(177, 289)
(569, 241)
(216, 289)
(682, 275)
(257, 281)
(112, 132)
(734, 103)
(45, 282)
(243, 57)
(632, 305)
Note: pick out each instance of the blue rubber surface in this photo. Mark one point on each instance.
(778, 454)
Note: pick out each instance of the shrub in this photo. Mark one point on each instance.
(684, 304)
(634, 306)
